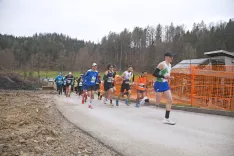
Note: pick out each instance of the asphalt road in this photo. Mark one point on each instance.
(140, 132)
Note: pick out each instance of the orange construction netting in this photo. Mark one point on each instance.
(200, 86)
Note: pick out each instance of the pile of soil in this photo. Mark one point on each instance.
(14, 81)
(30, 125)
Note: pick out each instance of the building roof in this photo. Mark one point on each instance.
(219, 53)
(186, 63)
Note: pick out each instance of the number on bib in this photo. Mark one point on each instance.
(109, 79)
(93, 79)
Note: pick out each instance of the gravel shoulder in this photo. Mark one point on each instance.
(30, 124)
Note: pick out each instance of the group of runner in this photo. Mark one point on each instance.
(89, 83)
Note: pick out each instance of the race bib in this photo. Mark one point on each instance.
(109, 79)
(127, 82)
(80, 84)
(93, 79)
(68, 81)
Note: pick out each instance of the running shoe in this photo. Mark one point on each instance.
(168, 121)
(126, 102)
(117, 102)
(105, 101)
(138, 105)
(90, 106)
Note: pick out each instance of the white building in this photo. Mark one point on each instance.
(219, 57)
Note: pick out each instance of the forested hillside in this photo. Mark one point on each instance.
(142, 47)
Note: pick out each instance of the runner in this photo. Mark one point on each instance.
(84, 88)
(69, 83)
(76, 85)
(59, 83)
(91, 78)
(64, 86)
(132, 79)
(162, 74)
(97, 87)
(141, 89)
(114, 78)
(80, 84)
(108, 84)
(125, 85)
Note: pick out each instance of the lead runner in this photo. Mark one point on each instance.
(162, 74)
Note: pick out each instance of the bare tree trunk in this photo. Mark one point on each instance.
(120, 68)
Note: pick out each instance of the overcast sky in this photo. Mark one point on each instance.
(92, 19)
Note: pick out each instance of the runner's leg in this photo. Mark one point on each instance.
(110, 91)
(168, 108)
(91, 94)
(83, 96)
(129, 95)
(60, 89)
(158, 98)
(138, 98)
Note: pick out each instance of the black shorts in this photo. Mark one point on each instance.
(91, 88)
(80, 90)
(59, 87)
(97, 87)
(107, 86)
(68, 84)
(125, 86)
(141, 91)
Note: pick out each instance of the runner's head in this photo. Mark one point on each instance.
(81, 75)
(70, 73)
(110, 67)
(144, 73)
(94, 66)
(169, 56)
(60, 74)
(130, 68)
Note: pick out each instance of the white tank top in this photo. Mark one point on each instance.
(165, 71)
(127, 75)
(168, 66)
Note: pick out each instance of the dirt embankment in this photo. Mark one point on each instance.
(13, 81)
(31, 125)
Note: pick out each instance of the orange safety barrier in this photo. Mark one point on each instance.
(200, 86)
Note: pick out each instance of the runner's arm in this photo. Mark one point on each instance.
(123, 76)
(73, 81)
(105, 76)
(56, 79)
(85, 76)
(97, 80)
(157, 70)
(78, 81)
